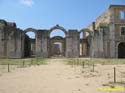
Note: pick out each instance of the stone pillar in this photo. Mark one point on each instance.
(105, 42)
(14, 47)
(38, 43)
(45, 43)
(22, 43)
(3, 41)
(72, 43)
(100, 44)
(42, 43)
(19, 42)
(95, 44)
(91, 46)
(112, 41)
(68, 45)
(83, 48)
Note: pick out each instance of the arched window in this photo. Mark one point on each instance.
(57, 44)
(57, 33)
(122, 14)
(31, 35)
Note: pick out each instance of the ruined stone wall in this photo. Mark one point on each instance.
(3, 39)
(15, 42)
(102, 39)
(109, 23)
(10, 41)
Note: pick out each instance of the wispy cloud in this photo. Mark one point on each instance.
(28, 3)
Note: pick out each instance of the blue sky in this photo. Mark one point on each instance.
(43, 14)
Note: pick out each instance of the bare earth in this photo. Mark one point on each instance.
(57, 77)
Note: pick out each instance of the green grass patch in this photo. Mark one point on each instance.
(26, 61)
(90, 61)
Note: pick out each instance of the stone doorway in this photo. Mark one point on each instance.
(57, 46)
(30, 43)
(84, 43)
(57, 41)
(57, 49)
(121, 50)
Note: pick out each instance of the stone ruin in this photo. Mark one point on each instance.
(104, 38)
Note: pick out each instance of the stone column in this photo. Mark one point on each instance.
(94, 45)
(42, 43)
(112, 41)
(76, 43)
(38, 43)
(45, 43)
(14, 45)
(3, 41)
(69, 44)
(22, 43)
(100, 44)
(19, 42)
(72, 43)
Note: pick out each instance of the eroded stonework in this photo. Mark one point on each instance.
(104, 38)
(109, 33)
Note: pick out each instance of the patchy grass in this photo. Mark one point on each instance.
(26, 61)
(91, 61)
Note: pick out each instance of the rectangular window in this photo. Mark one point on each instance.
(122, 30)
(122, 14)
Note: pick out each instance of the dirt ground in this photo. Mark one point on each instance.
(57, 77)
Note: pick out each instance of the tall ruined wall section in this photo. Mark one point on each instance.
(3, 39)
(11, 41)
(108, 28)
(117, 23)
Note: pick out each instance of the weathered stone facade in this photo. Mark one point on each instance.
(105, 38)
(109, 33)
(11, 40)
(14, 43)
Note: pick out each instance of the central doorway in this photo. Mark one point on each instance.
(57, 41)
(57, 49)
(57, 46)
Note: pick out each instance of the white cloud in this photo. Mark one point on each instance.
(28, 3)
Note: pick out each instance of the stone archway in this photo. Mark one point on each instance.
(84, 47)
(121, 50)
(57, 27)
(30, 30)
(30, 43)
(54, 42)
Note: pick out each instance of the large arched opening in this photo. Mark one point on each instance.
(84, 47)
(121, 50)
(30, 42)
(57, 41)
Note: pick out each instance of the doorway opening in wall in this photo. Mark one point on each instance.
(57, 46)
(81, 44)
(121, 50)
(30, 44)
(57, 49)
(83, 47)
